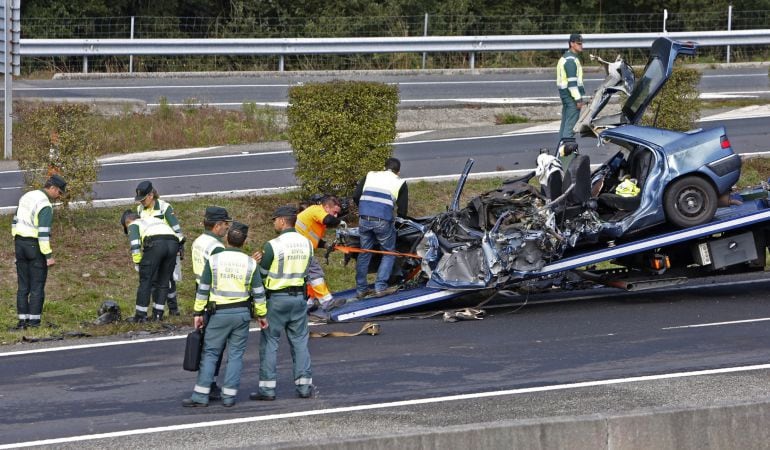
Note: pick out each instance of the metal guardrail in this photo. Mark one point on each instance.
(82, 47)
(306, 46)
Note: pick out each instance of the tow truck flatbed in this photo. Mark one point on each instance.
(737, 218)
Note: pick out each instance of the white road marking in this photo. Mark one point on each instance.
(717, 324)
(544, 128)
(397, 404)
(408, 134)
(199, 175)
(162, 153)
(748, 112)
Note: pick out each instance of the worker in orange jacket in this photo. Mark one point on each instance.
(312, 223)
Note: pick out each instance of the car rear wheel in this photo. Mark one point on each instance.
(690, 201)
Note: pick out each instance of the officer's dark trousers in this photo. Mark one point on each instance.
(155, 270)
(31, 273)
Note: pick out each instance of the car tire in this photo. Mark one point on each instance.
(690, 201)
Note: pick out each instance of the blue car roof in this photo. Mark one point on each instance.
(649, 135)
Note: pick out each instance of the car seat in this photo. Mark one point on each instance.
(638, 167)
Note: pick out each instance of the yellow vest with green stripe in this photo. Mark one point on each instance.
(147, 227)
(25, 222)
(573, 84)
(231, 274)
(201, 251)
(291, 259)
(30, 206)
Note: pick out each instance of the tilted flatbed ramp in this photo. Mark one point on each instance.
(368, 307)
(726, 219)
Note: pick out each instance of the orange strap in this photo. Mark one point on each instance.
(346, 249)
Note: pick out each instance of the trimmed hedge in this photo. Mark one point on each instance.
(339, 131)
(677, 106)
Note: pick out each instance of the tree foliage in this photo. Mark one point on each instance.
(340, 131)
(56, 138)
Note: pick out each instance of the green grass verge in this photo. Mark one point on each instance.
(191, 125)
(93, 261)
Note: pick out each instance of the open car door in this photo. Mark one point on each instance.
(641, 92)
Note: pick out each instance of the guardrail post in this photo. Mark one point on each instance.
(473, 60)
(131, 57)
(665, 18)
(7, 59)
(280, 63)
(85, 64)
(729, 27)
(424, 33)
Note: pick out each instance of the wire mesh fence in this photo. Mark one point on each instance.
(374, 26)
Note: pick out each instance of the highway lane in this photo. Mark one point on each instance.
(422, 157)
(609, 335)
(521, 87)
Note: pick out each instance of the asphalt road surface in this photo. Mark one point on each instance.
(428, 89)
(434, 154)
(568, 354)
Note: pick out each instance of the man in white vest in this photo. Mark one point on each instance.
(377, 195)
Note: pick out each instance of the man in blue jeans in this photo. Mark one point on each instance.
(377, 195)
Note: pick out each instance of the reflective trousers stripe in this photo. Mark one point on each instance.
(303, 381)
(229, 391)
(202, 389)
(267, 384)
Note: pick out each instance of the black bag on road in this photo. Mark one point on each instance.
(192, 351)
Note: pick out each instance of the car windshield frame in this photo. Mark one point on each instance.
(651, 81)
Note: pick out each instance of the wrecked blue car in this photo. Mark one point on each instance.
(506, 235)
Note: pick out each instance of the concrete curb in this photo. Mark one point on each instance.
(741, 426)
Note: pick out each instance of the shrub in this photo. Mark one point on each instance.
(57, 138)
(676, 107)
(339, 131)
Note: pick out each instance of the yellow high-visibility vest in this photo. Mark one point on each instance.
(291, 259)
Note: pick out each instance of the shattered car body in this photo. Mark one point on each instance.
(509, 234)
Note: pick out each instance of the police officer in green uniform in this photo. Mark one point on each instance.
(216, 223)
(154, 246)
(31, 230)
(150, 205)
(230, 282)
(284, 263)
(569, 80)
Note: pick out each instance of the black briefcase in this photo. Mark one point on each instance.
(192, 351)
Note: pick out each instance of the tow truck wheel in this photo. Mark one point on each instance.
(690, 201)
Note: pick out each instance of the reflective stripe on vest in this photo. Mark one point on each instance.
(627, 188)
(231, 274)
(379, 195)
(291, 259)
(201, 251)
(153, 227)
(310, 223)
(25, 221)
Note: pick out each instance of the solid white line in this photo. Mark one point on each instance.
(453, 139)
(198, 175)
(133, 88)
(397, 404)
(717, 324)
(97, 345)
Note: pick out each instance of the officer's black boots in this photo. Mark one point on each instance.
(20, 325)
(157, 315)
(33, 323)
(137, 319)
